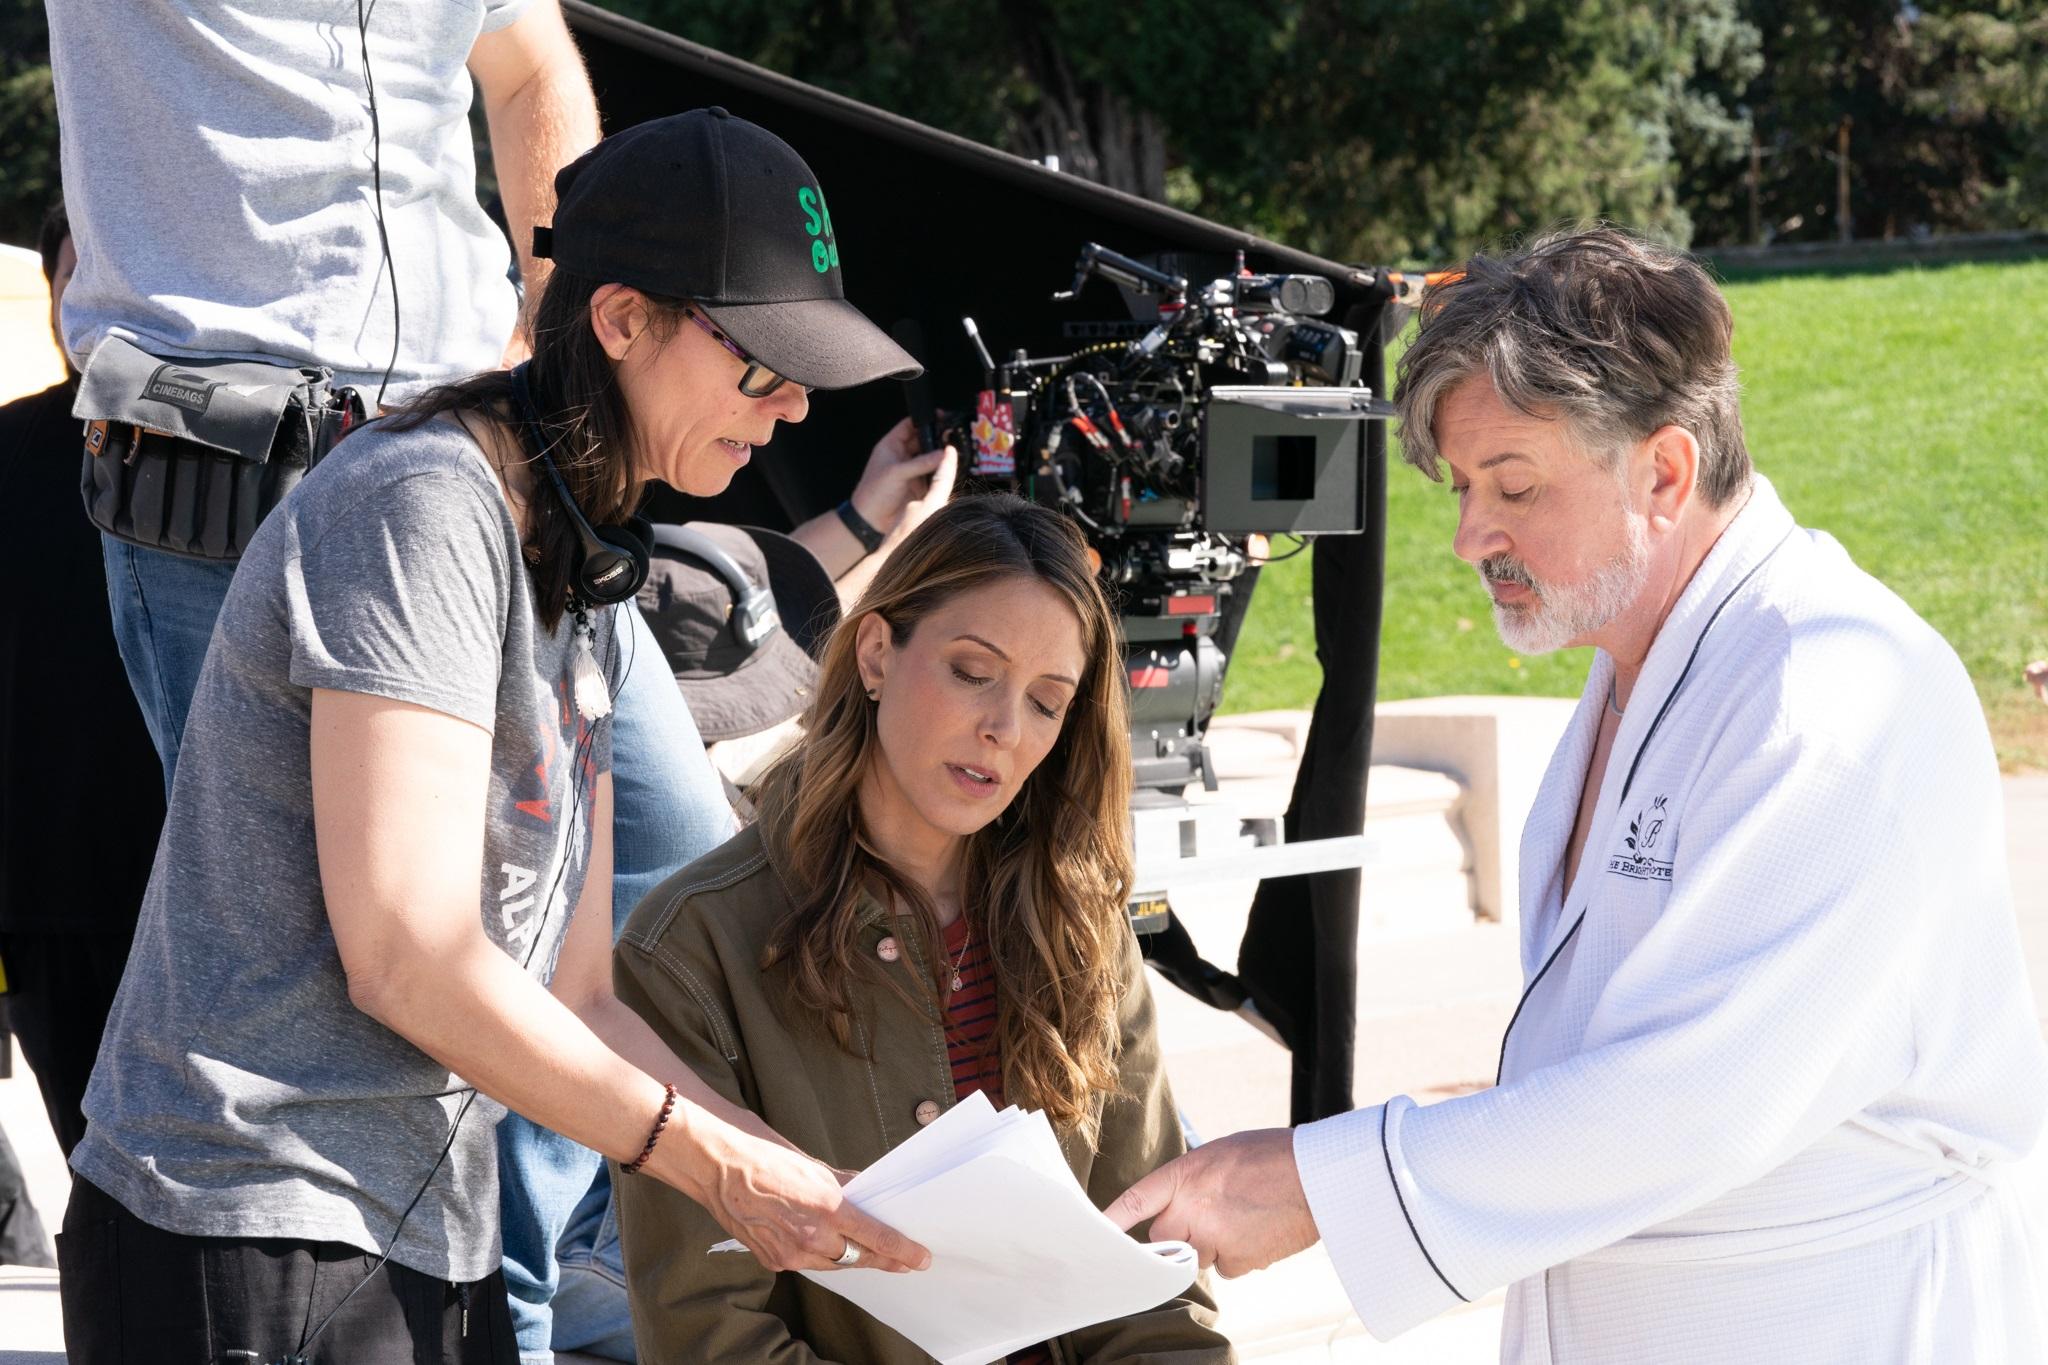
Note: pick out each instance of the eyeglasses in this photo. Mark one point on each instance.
(759, 381)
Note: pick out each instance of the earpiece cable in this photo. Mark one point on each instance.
(377, 187)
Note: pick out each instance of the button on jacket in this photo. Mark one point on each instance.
(689, 963)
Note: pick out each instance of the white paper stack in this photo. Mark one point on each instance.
(1019, 1254)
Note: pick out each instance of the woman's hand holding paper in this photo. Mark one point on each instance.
(787, 1208)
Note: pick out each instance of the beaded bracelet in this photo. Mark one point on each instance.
(668, 1106)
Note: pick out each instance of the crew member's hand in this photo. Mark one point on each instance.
(787, 1208)
(2037, 678)
(902, 484)
(1238, 1201)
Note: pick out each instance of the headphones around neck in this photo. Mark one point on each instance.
(611, 561)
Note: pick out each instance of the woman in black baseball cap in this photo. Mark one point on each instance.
(696, 299)
(405, 720)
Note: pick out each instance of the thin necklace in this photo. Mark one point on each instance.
(964, 943)
(1612, 704)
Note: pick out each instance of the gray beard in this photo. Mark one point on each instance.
(1564, 612)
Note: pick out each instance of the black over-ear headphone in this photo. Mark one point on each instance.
(611, 561)
(754, 617)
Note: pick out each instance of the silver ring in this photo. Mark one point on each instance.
(850, 1256)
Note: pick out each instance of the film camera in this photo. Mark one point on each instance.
(1233, 417)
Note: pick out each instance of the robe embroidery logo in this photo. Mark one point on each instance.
(1645, 832)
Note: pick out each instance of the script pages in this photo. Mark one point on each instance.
(1019, 1254)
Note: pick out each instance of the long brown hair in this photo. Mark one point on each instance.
(583, 418)
(1044, 885)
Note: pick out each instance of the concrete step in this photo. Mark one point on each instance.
(27, 1127)
(1497, 748)
(31, 1320)
(1418, 868)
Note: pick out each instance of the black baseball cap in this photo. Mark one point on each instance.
(711, 208)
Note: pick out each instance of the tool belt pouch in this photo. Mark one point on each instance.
(189, 456)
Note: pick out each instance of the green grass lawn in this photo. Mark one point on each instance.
(1903, 411)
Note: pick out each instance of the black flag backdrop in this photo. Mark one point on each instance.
(932, 226)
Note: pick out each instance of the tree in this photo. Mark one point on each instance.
(1944, 108)
(1399, 131)
(1363, 129)
(1413, 132)
(1986, 69)
(28, 121)
(1097, 85)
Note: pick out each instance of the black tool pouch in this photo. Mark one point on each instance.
(190, 456)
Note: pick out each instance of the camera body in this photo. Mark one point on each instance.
(1179, 444)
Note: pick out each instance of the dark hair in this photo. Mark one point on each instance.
(1611, 333)
(583, 418)
(50, 241)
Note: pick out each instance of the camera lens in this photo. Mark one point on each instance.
(1310, 294)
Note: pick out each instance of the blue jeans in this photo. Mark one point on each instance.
(589, 1305)
(164, 608)
(562, 1262)
(668, 808)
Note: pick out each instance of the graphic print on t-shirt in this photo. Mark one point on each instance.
(541, 794)
(564, 755)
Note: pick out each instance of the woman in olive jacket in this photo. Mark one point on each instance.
(932, 904)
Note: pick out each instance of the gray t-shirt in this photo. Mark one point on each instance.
(238, 1091)
(217, 169)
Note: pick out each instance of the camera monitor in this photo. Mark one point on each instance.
(1283, 459)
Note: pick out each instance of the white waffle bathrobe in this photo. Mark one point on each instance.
(1777, 1061)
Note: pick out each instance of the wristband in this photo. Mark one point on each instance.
(868, 536)
(668, 1106)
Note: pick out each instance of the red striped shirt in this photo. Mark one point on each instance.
(971, 1041)
(971, 1015)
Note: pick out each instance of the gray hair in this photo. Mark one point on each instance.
(1614, 335)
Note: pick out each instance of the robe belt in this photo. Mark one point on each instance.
(1961, 1187)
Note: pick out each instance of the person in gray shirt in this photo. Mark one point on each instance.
(380, 912)
(234, 193)
(240, 193)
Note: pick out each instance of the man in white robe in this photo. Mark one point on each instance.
(1776, 1065)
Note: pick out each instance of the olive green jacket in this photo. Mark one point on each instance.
(688, 963)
